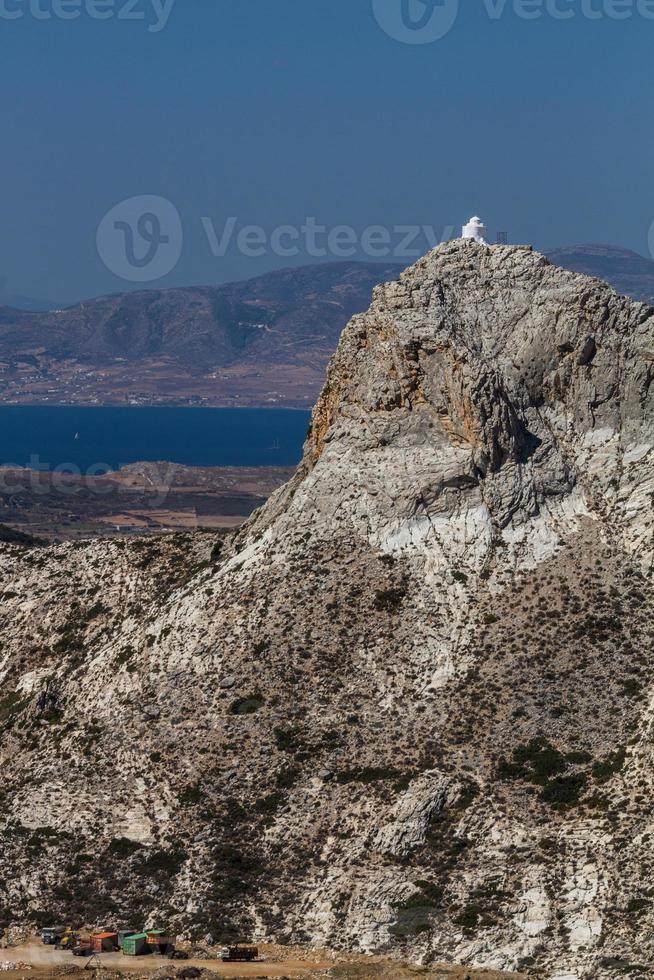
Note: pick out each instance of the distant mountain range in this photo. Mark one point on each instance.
(628, 272)
(263, 318)
(265, 341)
(20, 302)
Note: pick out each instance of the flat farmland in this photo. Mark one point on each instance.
(143, 498)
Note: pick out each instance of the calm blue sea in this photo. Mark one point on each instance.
(45, 437)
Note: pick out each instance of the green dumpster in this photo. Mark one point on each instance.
(136, 945)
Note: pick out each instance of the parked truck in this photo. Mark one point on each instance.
(84, 947)
(239, 953)
(51, 935)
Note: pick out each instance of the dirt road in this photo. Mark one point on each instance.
(48, 960)
(47, 963)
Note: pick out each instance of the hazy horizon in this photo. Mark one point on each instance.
(41, 303)
(267, 115)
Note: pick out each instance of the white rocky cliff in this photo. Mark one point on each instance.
(408, 708)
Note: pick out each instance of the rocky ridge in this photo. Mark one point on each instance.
(407, 708)
(627, 271)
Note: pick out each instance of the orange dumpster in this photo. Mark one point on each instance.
(104, 941)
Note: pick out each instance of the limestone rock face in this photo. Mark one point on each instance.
(485, 381)
(436, 739)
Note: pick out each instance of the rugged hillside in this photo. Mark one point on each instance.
(268, 336)
(264, 341)
(407, 707)
(627, 271)
(199, 326)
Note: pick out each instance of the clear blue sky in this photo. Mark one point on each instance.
(273, 110)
